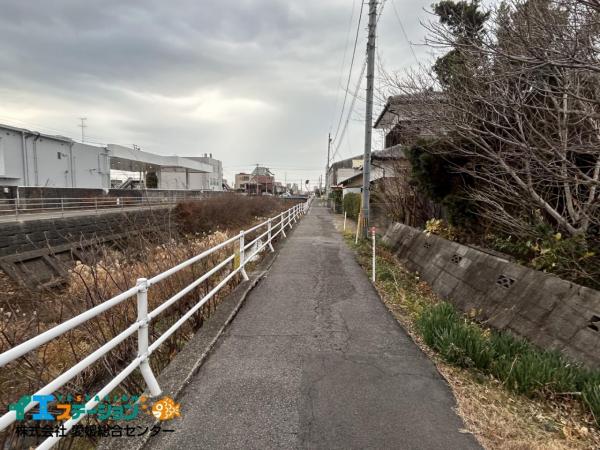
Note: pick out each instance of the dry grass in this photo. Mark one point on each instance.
(500, 419)
(226, 212)
(105, 272)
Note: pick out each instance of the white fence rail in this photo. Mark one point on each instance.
(241, 253)
(13, 208)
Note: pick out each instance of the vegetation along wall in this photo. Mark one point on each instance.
(548, 311)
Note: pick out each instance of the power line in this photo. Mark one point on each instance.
(404, 32)
(350, 110)
(354, 95)
(350, 71)
(337, 96)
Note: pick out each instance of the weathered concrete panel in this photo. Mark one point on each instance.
(549, 311)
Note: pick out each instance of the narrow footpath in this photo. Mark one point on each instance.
(314, 360)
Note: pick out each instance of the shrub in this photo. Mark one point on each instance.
(434, 173)
(352, 204)
(225, 212)
(336, 200)
(440, 228)
(574, 258)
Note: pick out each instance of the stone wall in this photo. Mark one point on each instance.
(18, 237)
(548, 311)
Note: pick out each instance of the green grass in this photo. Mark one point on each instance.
(520, 366)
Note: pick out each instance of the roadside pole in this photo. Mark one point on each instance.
(373, 234)
(364, 223)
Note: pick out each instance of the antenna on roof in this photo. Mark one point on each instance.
(83, 126)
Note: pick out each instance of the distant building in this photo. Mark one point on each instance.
(347, 173)
(241, 181)
(261, 180)
(30, 158)
(279, 188)
(172, 172)
(212, 181)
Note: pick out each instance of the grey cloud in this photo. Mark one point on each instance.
(139, 69)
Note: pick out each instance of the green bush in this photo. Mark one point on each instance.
(336, 201)
(519, 365)
(575, 258)
(352, 205)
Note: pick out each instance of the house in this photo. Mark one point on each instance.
(405, 118)
(261, 180)
(344, 169)
(384, 164)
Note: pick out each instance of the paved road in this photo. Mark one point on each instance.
(314, 360)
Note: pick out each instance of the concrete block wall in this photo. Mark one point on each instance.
(20, 237)
(546, 310)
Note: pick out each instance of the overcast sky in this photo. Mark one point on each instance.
(250, 81)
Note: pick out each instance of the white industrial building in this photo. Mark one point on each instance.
(176, 177)
(29, 158)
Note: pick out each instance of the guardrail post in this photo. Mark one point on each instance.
(96, 204)
(142, 311)
(295, 213)
(62, 206)
(289, 217)
(243, 256)
(269, 237)
(282, 225)
(17, 201)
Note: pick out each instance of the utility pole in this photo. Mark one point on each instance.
(369, 118)
(256, 178)
(83, 126)
(327, 167)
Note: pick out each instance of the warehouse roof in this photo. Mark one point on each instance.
(133, 159)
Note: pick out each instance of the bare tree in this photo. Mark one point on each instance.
(523, 107)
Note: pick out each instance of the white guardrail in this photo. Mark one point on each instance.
(273, 227)
(13, 208)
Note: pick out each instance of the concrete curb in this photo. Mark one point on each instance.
(182, 369)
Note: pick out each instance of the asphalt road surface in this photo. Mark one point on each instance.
(315, 360)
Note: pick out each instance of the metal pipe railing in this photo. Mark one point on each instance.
(144, 318)
(50, 205)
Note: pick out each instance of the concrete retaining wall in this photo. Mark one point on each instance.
(19, 237)
(548, 311)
